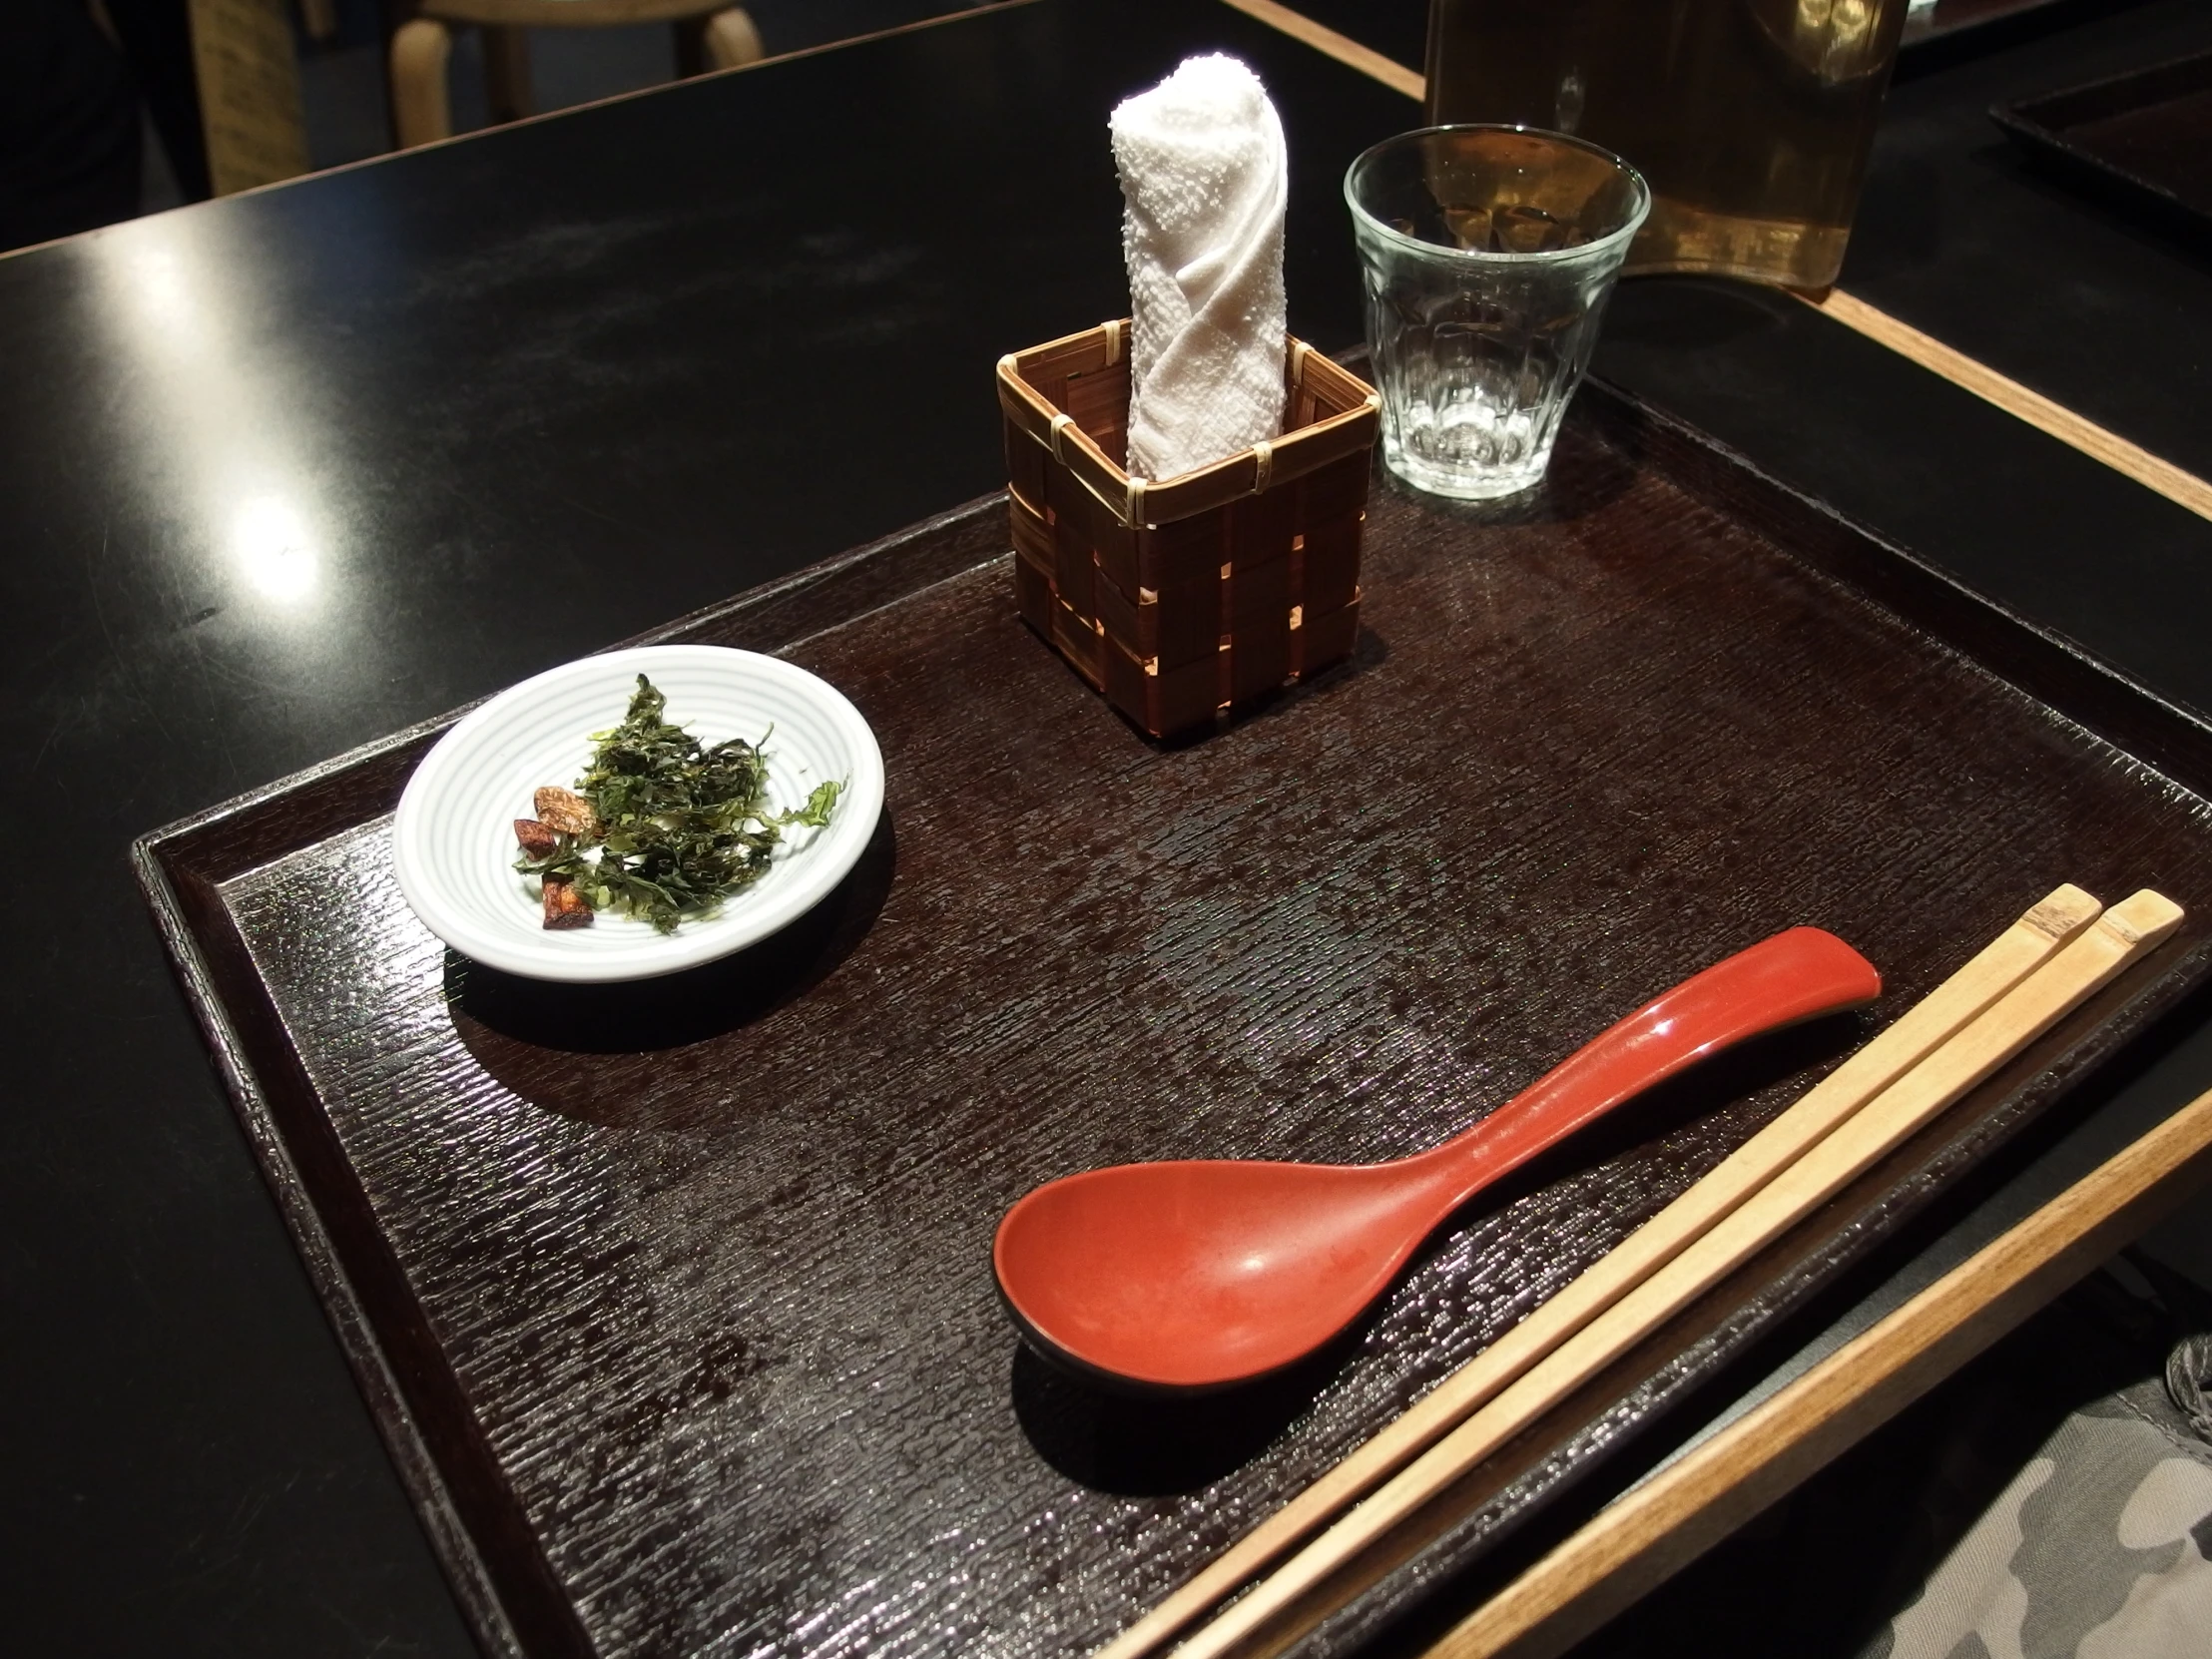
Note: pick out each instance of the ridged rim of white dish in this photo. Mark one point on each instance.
(453, 836)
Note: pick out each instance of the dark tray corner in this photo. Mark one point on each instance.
(2139, 142)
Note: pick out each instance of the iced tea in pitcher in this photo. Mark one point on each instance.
(1752, 119)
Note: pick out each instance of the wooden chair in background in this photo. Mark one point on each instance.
(710, 34)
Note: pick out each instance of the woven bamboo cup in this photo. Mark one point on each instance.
(1183, 597)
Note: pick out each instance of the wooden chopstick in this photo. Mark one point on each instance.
(1314, 1580)
(1999, 965)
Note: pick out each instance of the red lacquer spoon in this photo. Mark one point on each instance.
(1197, 1275)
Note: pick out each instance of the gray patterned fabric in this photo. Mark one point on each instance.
(2189, 1383)
(2048, 1501)
(2099, 1548)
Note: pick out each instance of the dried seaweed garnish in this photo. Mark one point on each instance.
(677, 828)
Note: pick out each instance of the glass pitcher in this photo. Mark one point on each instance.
(1752, 119)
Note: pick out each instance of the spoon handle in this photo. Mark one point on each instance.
(1795, 975)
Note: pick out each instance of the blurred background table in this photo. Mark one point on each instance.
(286, 471)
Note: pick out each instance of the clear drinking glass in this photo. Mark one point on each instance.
(1488, 253)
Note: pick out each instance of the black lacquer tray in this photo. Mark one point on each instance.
(675, 1303)
(2140, 141)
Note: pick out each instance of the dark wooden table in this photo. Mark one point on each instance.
(281, 474)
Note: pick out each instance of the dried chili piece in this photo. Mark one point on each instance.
(563, 905)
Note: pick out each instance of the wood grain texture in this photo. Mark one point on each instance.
(1660, 1528)
(685, 1293)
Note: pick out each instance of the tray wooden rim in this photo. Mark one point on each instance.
(2163, 736)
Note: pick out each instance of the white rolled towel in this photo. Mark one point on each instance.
(1204, 181)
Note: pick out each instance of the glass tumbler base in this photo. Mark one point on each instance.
(1466, 481)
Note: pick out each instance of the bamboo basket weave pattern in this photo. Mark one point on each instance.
(1181, 597)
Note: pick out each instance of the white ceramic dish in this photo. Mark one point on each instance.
(453, 841)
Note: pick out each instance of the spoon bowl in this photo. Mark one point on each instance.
(1202, 1274)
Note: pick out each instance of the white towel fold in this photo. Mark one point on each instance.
(1204, 181)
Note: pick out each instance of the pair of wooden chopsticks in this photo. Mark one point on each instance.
(2017, 987)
